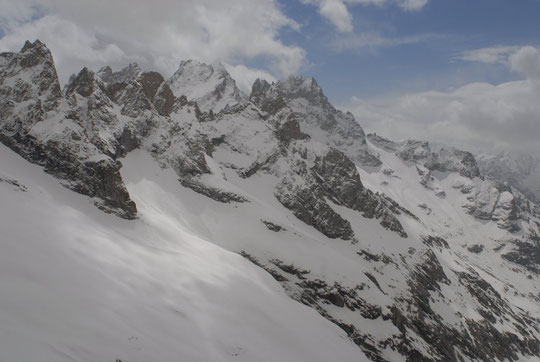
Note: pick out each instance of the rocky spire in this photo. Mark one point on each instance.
(106, 74)
(33, 66)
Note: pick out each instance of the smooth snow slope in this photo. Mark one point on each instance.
(77, 284)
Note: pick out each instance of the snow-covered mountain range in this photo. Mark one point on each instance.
(233, 227)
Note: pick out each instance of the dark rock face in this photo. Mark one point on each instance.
(212, 192)
(333, 177)
(435, 241)
(476, 249)
(273, 227)
(36, 60)
(307, 203)
(97, 179)
(105, 183)
(274, 273)
(266, 99)
(303, 99)
(158, 92)
(479, 341)
(290, 130)
(320, 295)
(125, 75)
(84, 83)
(415, 318)
(526, 254)
(17, 186)
(341, 183)
(67, 158)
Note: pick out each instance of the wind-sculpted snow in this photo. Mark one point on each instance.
(405, 246)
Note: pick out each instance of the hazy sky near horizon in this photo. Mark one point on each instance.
(461, 72)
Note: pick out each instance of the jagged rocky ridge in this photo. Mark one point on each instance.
(433, 261)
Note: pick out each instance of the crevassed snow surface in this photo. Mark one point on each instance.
(80, 285)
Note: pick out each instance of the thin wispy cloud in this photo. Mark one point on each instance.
(489, 55)
(376, 40)
(404, 4)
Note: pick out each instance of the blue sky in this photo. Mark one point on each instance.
(439, 32)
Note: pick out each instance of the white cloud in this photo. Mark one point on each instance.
(527, 61)
(490, 55)
(338, 14)
(335, 11)
(404, 4)
(478, 116)
(158, 33)
(72, 47)
(245, 77)
(374, 39)
(413, 4)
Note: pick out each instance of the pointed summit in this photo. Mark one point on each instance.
(37, 44)
(31, 74)
(304, 98)
(126, 74)
(211, 86)
(300, 86)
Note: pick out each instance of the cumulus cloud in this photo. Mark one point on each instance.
(478, 116)
(527, 61)
(335, 11)
(155, 33)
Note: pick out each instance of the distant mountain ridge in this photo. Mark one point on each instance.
(519, 170)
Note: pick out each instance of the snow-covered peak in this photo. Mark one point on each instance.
(304, 98)
(211, 86)
(435, 157)
(83, 83)
(300, 86)
(37, 45)
(126, 74)
(30, 75)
